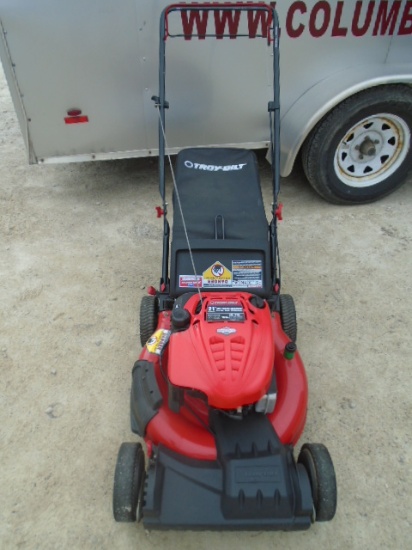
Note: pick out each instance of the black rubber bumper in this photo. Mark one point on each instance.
(145, 396)
(254, 484)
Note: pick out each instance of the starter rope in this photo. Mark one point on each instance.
(179, 204)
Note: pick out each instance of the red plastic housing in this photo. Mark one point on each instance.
(232, 370)
(228, 361)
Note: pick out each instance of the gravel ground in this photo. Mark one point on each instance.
(79, 243)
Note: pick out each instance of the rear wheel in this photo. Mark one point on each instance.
(148, 318)
(128, 482)
(288, 316)
(317, 461)
(361, 150)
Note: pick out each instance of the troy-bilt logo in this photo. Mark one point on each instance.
(213, 167)
(337, 19)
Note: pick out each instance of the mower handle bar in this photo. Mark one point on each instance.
(273, 106)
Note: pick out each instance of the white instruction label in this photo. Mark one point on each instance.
(247, 274)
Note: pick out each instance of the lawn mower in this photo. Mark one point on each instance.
(219, 392)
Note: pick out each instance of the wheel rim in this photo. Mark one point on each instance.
(372, 150)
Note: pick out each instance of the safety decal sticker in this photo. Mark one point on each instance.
(217, 276)
(247, 273)
(190, 281)
(158, 341)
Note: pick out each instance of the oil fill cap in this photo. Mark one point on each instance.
(257, 301)
(180, 318)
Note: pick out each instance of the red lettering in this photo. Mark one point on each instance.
(386, 20)
(254, 18)
(361, 30)
(295, 32)
(337, 30)
(227, 22)
(405, 26)
(319, 7)
(232, 19)
(188, 22)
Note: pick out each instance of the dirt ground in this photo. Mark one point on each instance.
(79, 244)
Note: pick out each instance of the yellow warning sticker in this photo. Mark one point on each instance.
(158, 341)
(217, 276)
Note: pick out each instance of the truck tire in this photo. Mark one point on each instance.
(361, 151)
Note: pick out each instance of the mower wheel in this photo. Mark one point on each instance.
(148, 318)
(128, 483)
(317, 461)
(288, 316)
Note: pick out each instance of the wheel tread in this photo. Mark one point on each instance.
(319, 466)
(288, 316)
(128, 482)
(148, 318)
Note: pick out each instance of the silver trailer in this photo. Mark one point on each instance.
(82, 74)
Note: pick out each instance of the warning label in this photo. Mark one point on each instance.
(217, 276)
(228, 310)
(158, 341)
(190, 281)
(247, 273)
(244, 274)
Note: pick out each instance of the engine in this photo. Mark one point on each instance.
(222, 346)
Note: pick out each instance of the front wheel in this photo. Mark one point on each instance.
(128, 485)
(361, 150)
(319, 466)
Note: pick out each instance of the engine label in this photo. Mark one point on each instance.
(225, 310)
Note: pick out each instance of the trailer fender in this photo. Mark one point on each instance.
(301, 118)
